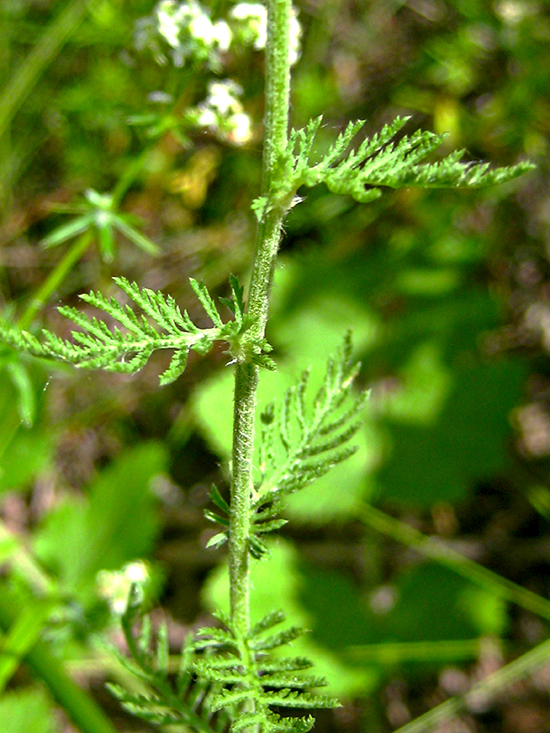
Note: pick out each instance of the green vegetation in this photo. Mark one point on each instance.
(420, 277)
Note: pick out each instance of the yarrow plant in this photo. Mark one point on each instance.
(235, 675)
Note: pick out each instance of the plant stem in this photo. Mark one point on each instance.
(79, 705)
(26, 76)
(56, 277)
(276, 136)
(265, 253)
(481, 693)
(397, 653)
(444, 555)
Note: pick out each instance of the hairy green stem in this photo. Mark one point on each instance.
(276, 136)
(265, 253)
(246, 381)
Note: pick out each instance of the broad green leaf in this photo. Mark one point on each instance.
(466, 440)
(115, 524)
(422, 592)
(25, 711)
(21, 637)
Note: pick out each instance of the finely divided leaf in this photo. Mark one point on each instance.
(381, 161)
(299, 443)
(128, 345)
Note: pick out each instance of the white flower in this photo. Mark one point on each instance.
(244, 11)
(136, 572)
(191, 34)
(223, 35)
(240, 126)
(202, 28)
(222, 97)
(206, 118)
(295, 35)
(169, 24)
(187, 28)
(223, 113)
(253, 16)
(114, 585)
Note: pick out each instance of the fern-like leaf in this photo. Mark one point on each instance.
(185, 702)
(129, 345)
(276, 640)
(300, 444)
(226, 682)
(380, 161)
(253, 681)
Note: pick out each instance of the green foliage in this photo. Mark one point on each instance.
(304, 335)
(21, 637)
(255, 680)
(185, 702)
(443, 417)
(302, 437)
(408, 616)
(18, 374)
(436, 386)
(24, 454)
(380, 161)
(287, 582)
(116, 524)
(299, 445)
(467, 432)
(356, 636)
(26, 710)
(223, 681)
(97, 346)
(98, 214)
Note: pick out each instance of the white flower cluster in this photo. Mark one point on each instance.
(250, 27)
(295, 35)
(114, 585)
(187, 29)
(250, 23)
(185, 32)
(223, 114)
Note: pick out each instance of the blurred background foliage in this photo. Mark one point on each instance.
(448, 298)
